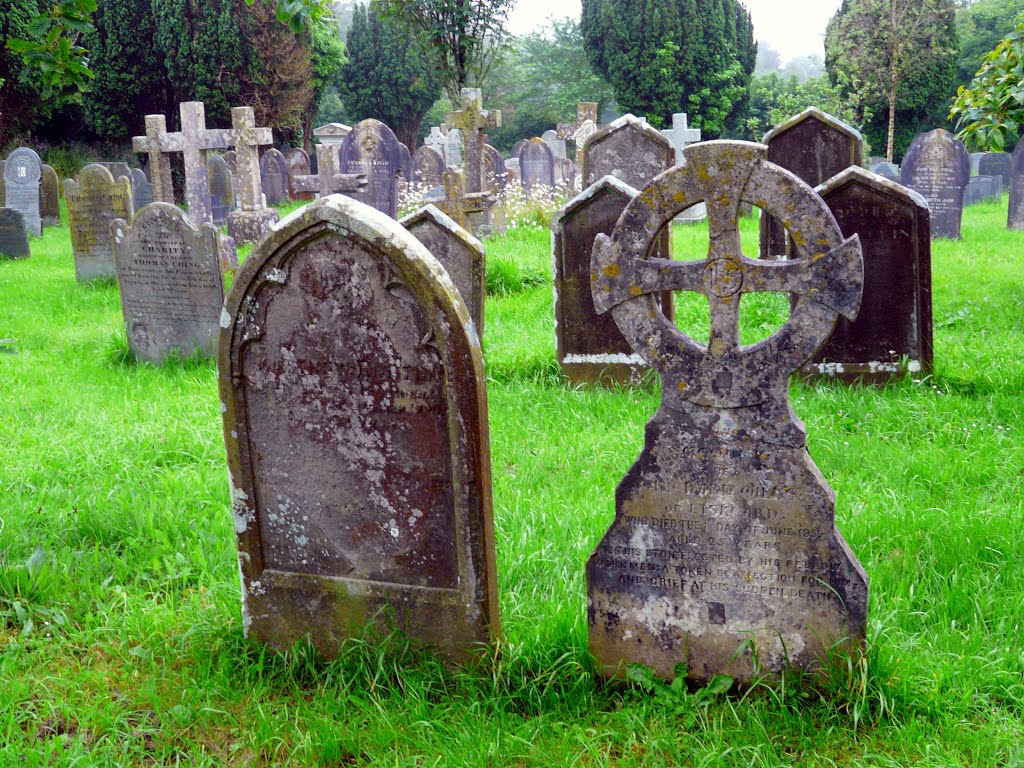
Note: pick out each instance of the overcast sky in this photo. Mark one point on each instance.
(792, 27)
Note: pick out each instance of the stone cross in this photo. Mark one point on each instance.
(472, 119)
(252, 222)
(586, 111)
(461, 206)
(681, 135)
(157, 146)
(436, 140)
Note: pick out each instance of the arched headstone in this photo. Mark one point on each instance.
(23, 173)
(49, 197)
(429, 167)
(274, 176)
(372, 148)
(222, 189)
(536, 165)
(938, 167)
(298, 165)
(94, 200)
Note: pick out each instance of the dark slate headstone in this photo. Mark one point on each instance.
(892, 335)
(461, 254)
(94, 200)
(724, 556)
(590, 347)
(372, 148)
(355, 417)
(628, 149)
(937, 166)
(274, 176)
(536, 165)
(815, 146)
(996, 164)
(169, 275)
(142, 190)
(298, 165)
(1015, 215)
(222, 189)
(495, 177)
(982, 189)
(49, 197)
(13, 235)
(23, 173)
(889, 171)
(429, 167)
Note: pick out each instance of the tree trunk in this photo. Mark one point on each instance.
(893, 80)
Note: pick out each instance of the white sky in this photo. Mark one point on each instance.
(793, 27)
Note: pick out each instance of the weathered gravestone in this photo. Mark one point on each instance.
(453, 148)
(222, 189)
(13, 235)
(169, 274)
(518, 146)
(889, 171)
(142, 190)
(1015, 215)
(937, 166)
(590, 347)
(815, 146)
(461, 254)
(119, 170)
(298, 165)
(996, 164)
(253, 221)
(406, 163)
(495, 176)
(436, 141)
(892, 335)
(274, 176)
(22, 175)
(429, 167)
(628, 149)
(976, 162)
(231, 158)
(536, 165)
(557, 144)
(982, 189)
(3, 184)
(372, 148)
(723, 555)
(94, 200)
(355, 419)
(49, 197)
(328, 180)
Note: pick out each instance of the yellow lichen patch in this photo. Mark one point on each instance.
(702, 173)
(612, 270)
(717, 347)
(679, 197)
(636, 290)
(798, 238)
(682, 386)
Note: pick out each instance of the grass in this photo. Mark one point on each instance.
(135, 654)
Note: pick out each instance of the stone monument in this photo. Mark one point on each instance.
(536, 165)
(938, 167)
(372, 149)
(628, 149)
(1015, 215)
(13, 235)
(23, 174)
(274, 176)
(49, 197)
(94, 200)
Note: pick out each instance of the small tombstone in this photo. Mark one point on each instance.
(429, 167)
(436, 140)
(892, 335)
(406, 163)
(724, 556)
(169, 275)
(142, 190)
(590, 347)
(1015, 215)
(372, 148)
(360, 476)
(3, 184)
(815, 146)
(331, 133)
(298, 165)
(118, 170)
(937, 166)
(222, 189)
(461, 254)
(94, 200)
(494, 169)
(23, 173)
(231, 158)
(628, 149)
(557, 144)
(889, 171)
(518, 147)
(996, 164)
(976, 162)
(453, 148)
(274, 176)
(536, 165)
(13, 235)
(982, 189)
(49, 197)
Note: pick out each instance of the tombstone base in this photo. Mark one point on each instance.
(878, 373)
(723, 555)
(604, 369)
(250, 226)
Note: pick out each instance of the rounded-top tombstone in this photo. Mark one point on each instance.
(938, 167)
(372, 148)
(429, 167)
(23, 173)
(274, 176)
(298, 165)
(536, 165)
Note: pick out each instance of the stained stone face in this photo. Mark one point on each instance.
(815, 146)
(94, 200)
(590, 347)
(23, 172)
(429, 167)
(372, 148)
(13, 235)
(142, 190)
(461, 254)
(355, 420)
(724, 541)
(557, 144)
(982, 189)
(298, 165)
(629, 150)
(536, 165)
(1015, 216)
(49, 197)
(892, 335)
(937, 166)
(996, 164)
(222, 189)
(274, 176)
(170, 280)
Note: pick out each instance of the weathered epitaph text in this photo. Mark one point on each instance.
(94, 200)
(938, 168)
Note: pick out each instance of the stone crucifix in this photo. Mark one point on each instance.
(155, 144)
(252, 222)
(472, 119)
(584, 127)
(329, 180)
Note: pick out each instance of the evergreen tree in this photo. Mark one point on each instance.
(18, 91)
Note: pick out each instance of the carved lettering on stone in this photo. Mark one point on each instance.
(94, 200)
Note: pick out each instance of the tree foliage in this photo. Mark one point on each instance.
(775, 98)
(328, 61)
(980, 26)
(389, 74)
(666, 56)
(898, 57)
(51, 45)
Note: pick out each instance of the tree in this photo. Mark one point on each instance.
(980, 26)
(991, 111)
(665, 56)
(902, 54)
(328, 60)
(465, 37)
(775, 98)
(51, 48)
(389, 75)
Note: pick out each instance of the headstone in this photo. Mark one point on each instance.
(222, 189)
(996, 164)
(231, 158)
(536, 165)
(436, 140)
(461, 254)
(158, 145)
(892, 335)
(429, 167)
(557, 144)
(815, 146)
(723, 557)
(518, 147)
(582, 129)
(274, 176)
(494, 170)
(118, 170)
(298, 165)
(329, 180)
(361, 475)
(13, 235)
(937, 166)
(889, 171)
(628, 149)
(169, 275)
(453, 148)
(252, 222)
(142, 190)
(976, 162)
(49, 197)
(94, 200)
(3, 184)
(982, 189)
(590, 347)
(332, 133)
(406, 163)
(372, 148)
(1015, 215)
(22, 175)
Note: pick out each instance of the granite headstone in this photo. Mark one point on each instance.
(274, 176)
(94, 200)
(429, 167)
(372, 149)
(937, 166)
(536, 165)
(298, 165)
(13, 235)
(23, 173)
(628, 149)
